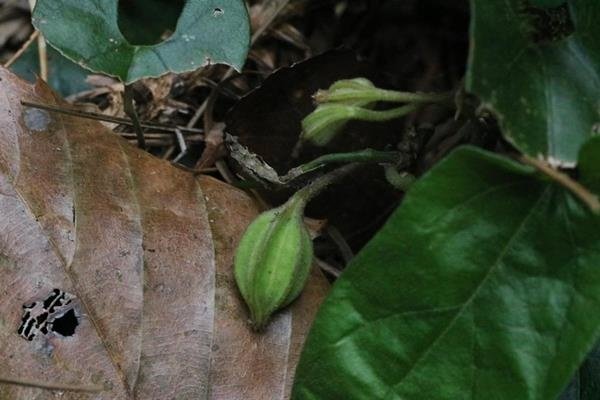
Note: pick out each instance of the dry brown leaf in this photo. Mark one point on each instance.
(146, 249)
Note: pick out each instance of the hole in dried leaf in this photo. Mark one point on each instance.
(66, 324)
(55, 313)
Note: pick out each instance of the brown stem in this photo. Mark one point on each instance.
(108, 118)
(129, 109)
(580, 191)
(52, 386)
(20, 52)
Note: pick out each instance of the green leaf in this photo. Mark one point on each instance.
(589, 164)
(482, 285)
(536, 64)
(64, 76)
(87, 31)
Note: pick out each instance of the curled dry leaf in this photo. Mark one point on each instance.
(144, 252)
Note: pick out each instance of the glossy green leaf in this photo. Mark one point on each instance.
(64, 76)
(87, 31)
(536, 64)
(482, 285)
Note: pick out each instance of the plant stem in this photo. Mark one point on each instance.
(318, 185)
(20, 52)
(108, 118)
(400, 180)
(376, 94)
(362, 156)
(42, 50)
(52, 386)
(580, 191)
(366, 155)
(129, 109)
(364, 114)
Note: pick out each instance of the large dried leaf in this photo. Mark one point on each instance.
(129, 236)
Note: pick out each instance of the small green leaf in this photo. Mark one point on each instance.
(536, 64)
(64, 76)
(482, 285)
(87, 31)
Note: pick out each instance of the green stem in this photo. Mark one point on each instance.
(364, 114)
(362, 156)
(307, 193)
(400, 180)
(129, 109)
(376, 94)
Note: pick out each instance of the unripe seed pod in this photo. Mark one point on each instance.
(273, 260)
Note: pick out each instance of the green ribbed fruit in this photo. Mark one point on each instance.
(273, 260)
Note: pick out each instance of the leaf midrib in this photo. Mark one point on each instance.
(493, 268)
(66, 265)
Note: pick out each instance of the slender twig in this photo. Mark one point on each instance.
(43, 54)
(22, 50)
(341, 243)
(269, 20)
(182, 146)
(42, 50)
(328, 268)
(129, 108)
(580, 191)
(52, 386)
(107, 118)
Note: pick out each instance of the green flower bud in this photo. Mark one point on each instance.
(273, 260)
(349, 91)
(324, 124)
(354, 99)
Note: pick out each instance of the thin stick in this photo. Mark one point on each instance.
(129, 109)
(43, 54)
(339, 240)
(269, 21)
(22, 50)
(580, 191)
(52, 386)
(42, 50)
(107, 118)
(328, 268)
